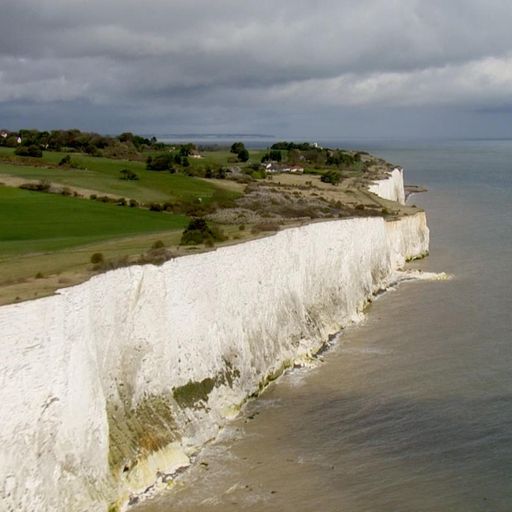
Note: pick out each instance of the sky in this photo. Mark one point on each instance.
(288, 68)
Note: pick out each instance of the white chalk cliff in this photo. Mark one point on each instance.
(110, 383)
(391, 188)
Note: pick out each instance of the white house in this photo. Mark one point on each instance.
(274, 167)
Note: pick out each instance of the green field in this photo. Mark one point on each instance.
(53, 236)
(103, 176)
(37, 222)
(47, 238)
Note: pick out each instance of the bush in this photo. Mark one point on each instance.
(198, 231)
(66, 160)
(158, 244)
(126, 174)
(160, 162)
(42, 186)
(332, 177)
(97, 257)
(132, 203)
(155, 207)
(106, 199)
(32, 151)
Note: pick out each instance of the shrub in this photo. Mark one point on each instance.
(155, 207)
(31, 151)
(132, 203)
(39, 275)
(158, 244)
(163, 162)
(332, 177)
(41, 186)
(66, 160)
(121, 201)
(97, 257)
(241, 227)
(127, 174)
(198, 231)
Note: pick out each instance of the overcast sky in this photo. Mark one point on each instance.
(296, 68)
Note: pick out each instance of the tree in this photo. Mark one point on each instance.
(243, 156)
(159, 162)
(294, 156)
(237, 147)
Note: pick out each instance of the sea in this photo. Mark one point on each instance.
(411, 410)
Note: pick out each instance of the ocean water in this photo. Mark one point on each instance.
(412, 410)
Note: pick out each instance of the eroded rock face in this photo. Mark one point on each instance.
(112, 383)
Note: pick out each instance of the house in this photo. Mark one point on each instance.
(195, 154)
(4, 134)
(18, 140)
(274, 167)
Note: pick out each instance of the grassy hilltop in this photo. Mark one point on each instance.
(73, 204)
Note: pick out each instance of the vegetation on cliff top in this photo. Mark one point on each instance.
(66, 194)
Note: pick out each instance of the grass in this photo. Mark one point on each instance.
(37, 222)
(102, 175)
(53, 237)
(46, 240)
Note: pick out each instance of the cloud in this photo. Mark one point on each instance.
(226, 56)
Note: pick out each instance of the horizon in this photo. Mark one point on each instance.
(297, 69)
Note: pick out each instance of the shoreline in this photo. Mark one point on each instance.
(166, 481)
(143, 372)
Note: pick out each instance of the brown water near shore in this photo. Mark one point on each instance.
(410, 411)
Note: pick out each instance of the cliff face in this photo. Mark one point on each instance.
(391, 188)
(121, 377)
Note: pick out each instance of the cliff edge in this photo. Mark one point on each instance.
(118, 380)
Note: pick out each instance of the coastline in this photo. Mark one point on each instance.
(244, 353)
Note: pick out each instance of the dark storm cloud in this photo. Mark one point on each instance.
(215, 60)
